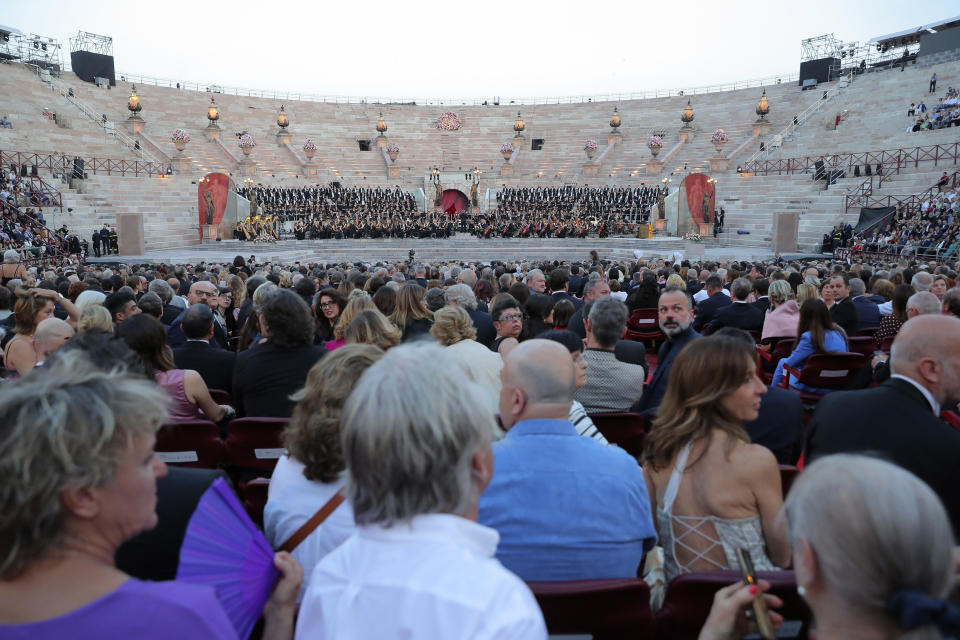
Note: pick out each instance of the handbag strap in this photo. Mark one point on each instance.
(315, 521)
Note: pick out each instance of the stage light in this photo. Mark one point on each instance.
(213, 113)
(763, 106)
(381, 125)
(282, 121)
(519, 125)
(615, 120)
(687, 116)
(133, 102)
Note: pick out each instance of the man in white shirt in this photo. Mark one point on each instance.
(419, 566)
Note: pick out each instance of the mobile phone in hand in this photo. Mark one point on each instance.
(760, 612)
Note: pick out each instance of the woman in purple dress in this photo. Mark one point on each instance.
(80, 478)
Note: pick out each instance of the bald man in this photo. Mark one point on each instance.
(50, 335)
(900, 419)
(567, 507)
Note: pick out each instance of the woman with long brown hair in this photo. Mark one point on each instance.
(411, 314)
(816, 333)
(330, 304)
(33, 306)
(710, 488)
(890, 324)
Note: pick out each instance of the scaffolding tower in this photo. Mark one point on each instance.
(92, 42)
(36, 50)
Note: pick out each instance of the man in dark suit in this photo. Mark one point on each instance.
(202, 292)
(559, 285)
(592, 290)
(676, 320)
(760, 287)
(899, 420)
(843, 312)
(214, 365)
(576, 281)
(868, 313)
(740, 314)
(716, 299)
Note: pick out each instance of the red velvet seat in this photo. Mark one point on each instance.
(690, 596)
(867, 332)
(613, 608)
(770, 359)
(254, 496)
(864, 345)
(220, 396)
(755, 335)
(624, 429)
(886, 343)
(254, 443)
(193, 443)
(832, 371)
(644, 324)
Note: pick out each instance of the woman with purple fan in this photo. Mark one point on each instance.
(314, 472)
(76, 456)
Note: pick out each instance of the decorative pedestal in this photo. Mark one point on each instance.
(719, 164)
(208, 232)
(382, 140)
(653, 167)
(686, 135)
(706, 229)
(694, 249)
(135, 124)
(590, 169)
(506, 170)
(311, 169)
(393, 155)
(212, 132)
(248, 167)
(181, 163)
(284, 137)
(518, 142)
(393, 171)
(761, 127)
(644, 231)
(660, 224)
(614, 138)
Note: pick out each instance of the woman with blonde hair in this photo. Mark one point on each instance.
(313, 470)
(356, 304)
(711, 489)
(372, 327)
(32, 307)
(783, 316)
(453, 328)
(411, 314)
(807, 291)
(95, 318)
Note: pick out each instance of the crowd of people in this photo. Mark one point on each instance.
(449, 410)
(932, 231)
(945, 113)
(23, 227)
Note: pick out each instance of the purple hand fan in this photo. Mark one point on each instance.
(224, 549)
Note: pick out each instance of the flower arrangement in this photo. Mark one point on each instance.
(179, 135)
(506, 147)
(590, 145)
(719, 136)
(309, 145)
(449, 121)
(692, 236)
(654, 142)
(393, 147)
(246, 141)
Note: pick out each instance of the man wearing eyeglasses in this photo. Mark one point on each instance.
(508, 321)
(201, 292)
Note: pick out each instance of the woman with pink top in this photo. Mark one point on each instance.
(783, 317)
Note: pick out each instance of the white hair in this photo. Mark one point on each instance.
(89, 298)
(462, 295)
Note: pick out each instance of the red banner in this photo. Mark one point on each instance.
(453, 201)
(212, 192)
(697, 185)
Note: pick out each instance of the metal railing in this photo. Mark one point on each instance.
(206, 87)
(49, 253)
(896, 159)
(62, 164)
(907, 203)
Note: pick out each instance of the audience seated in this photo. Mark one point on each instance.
(411, 314)
(578, 414)
(51, 334)
(201, 292)
(417, 465)
(508, 321)
(712, 490)
(612, 385)
(454, 329)
(890, 323)
(741, 314)
(566, 507)
(312, 474)
(816, 333)
(716, 299)
(369, 326)
(33, 306)
(214, 365)
(868, 313)
(782, 318)
(842, 310)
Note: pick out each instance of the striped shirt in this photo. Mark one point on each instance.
(583, 424)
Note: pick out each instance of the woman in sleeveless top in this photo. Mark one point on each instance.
(713, 491)
(11, 267)
(32, 307)
(189, 394)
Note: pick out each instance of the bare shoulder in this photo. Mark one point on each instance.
(754, 459)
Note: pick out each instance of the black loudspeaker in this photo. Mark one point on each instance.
(819, 70)
(78, 168)
(23, 170)
(33, 171)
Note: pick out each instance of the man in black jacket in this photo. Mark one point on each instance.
(214, 365)
(716, 299)
(201, 292)
(899, 420)
(843, 312)
(740, 314)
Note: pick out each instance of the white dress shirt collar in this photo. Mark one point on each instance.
(934, 405)
(443, 527)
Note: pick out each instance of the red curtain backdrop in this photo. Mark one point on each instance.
(215, 185)
(453, 201)
(696, 184)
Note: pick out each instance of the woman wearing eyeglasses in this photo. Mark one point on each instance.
(508, 321)
(327, 311)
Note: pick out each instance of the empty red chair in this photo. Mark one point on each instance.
(220, 396)
(622, 428)
(193, 443)
(612, 608)
(254, 496)
(644, 324)
(864, 345)
(254, 443)
(690, 596)
(832, 371)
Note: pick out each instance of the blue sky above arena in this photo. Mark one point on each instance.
(463, 50)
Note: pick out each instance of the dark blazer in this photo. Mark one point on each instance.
(779, 425)
(214, 365)
(893, 421)
(575, 284)
(707, 309)
(632, 352)
(265, 375)
(655, 390)
(576, 325)
(563, 295)
(740, 315)
(763, 304)
(483, 323)
(844, 314)
(170, 313)
(155, 554)
(176, 337)
(868, 313)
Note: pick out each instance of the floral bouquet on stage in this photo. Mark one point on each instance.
(449, 121)
(309, 145)
(179, 135)
(506, 147)
(246, 141)
(654, 142)
(393, 147)
(692, 236)
(590, 145)
(719, 136)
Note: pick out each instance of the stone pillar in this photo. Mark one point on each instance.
(614, 138)
(209, 232)
(382, 140)
(284, 137)
(135, 124)
(660, 224)
(761, 127)
(212, 132)
(248, 166)
(393, 171)
(591, 169)
(518, 142)
(686, 135)
(311, 169)
(718, 165)
(506, 170)
(706, 229)
(130, 234)
(653, 167)
(181, 164)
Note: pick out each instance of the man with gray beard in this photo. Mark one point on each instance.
(676, 320)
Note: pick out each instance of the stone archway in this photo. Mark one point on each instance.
(453, 201)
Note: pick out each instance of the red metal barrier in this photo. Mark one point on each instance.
(890, 159)
(62, 163)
